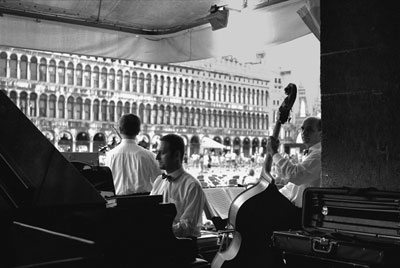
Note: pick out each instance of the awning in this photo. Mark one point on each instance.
(207, 143)
(70, 26)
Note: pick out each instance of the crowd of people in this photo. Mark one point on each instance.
(169, 172)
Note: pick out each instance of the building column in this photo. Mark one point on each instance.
(18, 68)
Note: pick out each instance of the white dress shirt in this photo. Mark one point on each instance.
(134, 168)
(299, 176)
(187, 194)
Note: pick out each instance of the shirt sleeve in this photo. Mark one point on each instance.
(299, 173)
(107, 160)
(156, 188)
(191, 219)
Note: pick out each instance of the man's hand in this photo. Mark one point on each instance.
(272, 145)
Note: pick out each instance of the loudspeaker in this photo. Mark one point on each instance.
(219, 19)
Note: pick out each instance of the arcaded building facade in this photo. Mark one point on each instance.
(76, 101)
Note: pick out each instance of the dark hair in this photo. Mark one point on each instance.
(176, 144)
(129, 124)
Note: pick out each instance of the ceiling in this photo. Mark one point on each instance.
(160, 31)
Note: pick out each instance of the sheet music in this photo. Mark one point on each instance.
(233, 192)
(218, 201)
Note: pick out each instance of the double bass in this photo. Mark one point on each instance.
(258, 211)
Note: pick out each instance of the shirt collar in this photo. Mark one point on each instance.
(176, 174)
(316, 146)
(128, 141)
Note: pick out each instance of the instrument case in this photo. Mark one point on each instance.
(344, 227)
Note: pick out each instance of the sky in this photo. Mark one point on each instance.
(302, 57)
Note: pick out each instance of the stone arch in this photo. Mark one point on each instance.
(82, 142)
(99, 140)
(194, 145)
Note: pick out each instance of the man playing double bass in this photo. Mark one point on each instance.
(262, 209)
(307, 173)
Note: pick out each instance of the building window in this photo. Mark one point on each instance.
(13, 97)
(32, 104)
(141, 111)
(78, 109)
(214, 90)
(167, 115)
(3, 64)
(96, 107)
(127, 108)
(96, 77)
(52, 71)
(70, 74)
(141, 83)
(43, 70)
(191, 89)
(87, 75)
(23, 65)
(186, 88)
(87, 110)
(166, 93)
(61, 107)
(61, 73)
(70, 108)
(148, 114)
(104, 110)
(23, 102)
(43, 105)
(13, 66)
(79, 75)
(52, 106)
(103, 78)
(119, 79)
(112, 79)
(111, 109)
(148, 83)
(154, 114)
(127, 79)
(134, 82)
(209, 91)
(180, 88)
(33, 68)
(224, 94)
(160, 119)
(119, 109)
(155, 86)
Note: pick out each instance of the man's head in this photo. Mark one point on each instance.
(170, 152)
(129, 125)
(311, 131)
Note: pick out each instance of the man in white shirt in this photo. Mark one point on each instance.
(179, 187)
(305, 174)
(134, 168)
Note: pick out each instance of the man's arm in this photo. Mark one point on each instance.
(300, 173)
(191, 218)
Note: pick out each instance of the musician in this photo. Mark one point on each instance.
(179, 187)
(306, 173)
(134, 168)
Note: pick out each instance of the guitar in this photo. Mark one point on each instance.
(258, 211)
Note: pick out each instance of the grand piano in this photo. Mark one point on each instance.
(53, 216)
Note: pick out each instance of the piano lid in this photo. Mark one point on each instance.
(33, 172)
